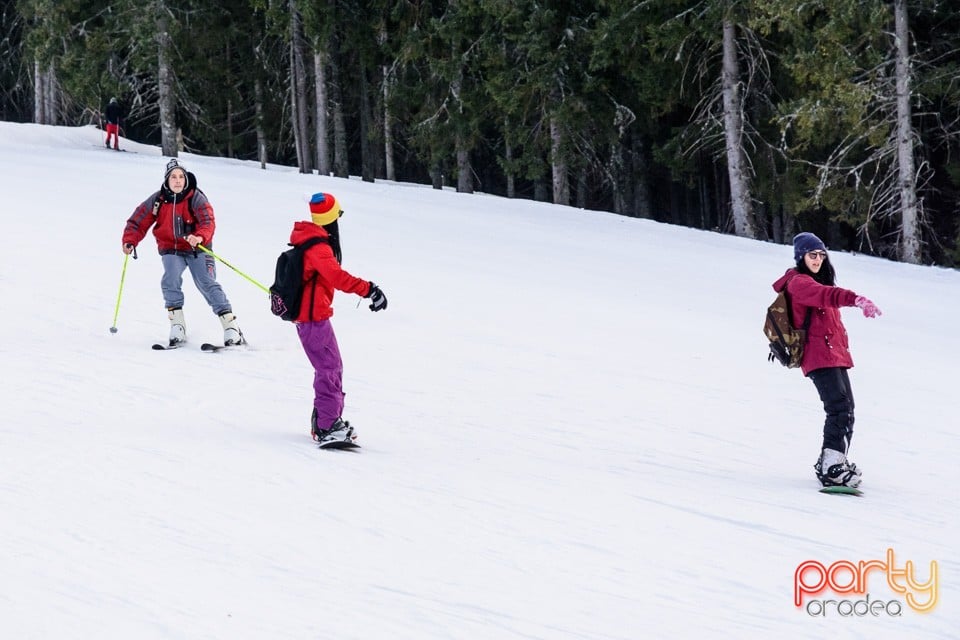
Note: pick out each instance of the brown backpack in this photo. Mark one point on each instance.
(786, 341)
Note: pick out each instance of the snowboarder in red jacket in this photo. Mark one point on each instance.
(322, 275)
(811, 287)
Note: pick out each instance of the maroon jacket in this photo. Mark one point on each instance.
(319, 261)
(827, 344)
(191, 205)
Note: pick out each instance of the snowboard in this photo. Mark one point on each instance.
(842, 491)
(350, 443)
(339, 444)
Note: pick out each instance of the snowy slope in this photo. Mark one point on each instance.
(554, 446)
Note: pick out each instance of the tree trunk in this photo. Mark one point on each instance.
(44, 95)
(50, 94)
(368, 153)
(558, 164)
(320, 85)
(261, 134)
(388, 152)
(38, 102)
(541, 193)
(703, 199)
(464, 168)
(166, 88)
(229, 108)
(643, 200)
(229, 116)
(740, 199)
(776, 224)
(388, 81)
(341, 163)
(910, 250)
(294, 125)
(298, 85)
(619, 182)
(508, 156)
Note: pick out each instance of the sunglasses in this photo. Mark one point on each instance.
(817, 254)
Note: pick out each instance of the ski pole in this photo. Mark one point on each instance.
(205, 250)
(116, 311)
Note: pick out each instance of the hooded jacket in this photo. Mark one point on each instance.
(322, 274)
(827, 344)
(191, 205)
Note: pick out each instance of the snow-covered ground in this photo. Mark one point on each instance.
(569, 426)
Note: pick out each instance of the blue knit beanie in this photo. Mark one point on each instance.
(804, 242)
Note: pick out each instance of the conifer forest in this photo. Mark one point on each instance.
(758, 118)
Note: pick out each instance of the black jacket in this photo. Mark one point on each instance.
(113, 113)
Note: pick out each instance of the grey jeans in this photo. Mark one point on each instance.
(203, 269)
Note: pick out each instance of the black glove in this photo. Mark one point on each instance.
(378, 301)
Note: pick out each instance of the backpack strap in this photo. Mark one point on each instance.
(808, 318)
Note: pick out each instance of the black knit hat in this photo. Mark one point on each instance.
(173, 164)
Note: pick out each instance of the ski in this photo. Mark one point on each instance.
(842, 491)
(214, 348)
(206, 346)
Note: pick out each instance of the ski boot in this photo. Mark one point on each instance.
(834, 470)
(232, 335)
(178, 326)
(339, 435)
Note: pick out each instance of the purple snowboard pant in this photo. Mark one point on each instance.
(320, 345)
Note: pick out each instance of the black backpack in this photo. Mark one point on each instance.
(286, 292)
(786, 341)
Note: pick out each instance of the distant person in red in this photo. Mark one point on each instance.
(113, 123)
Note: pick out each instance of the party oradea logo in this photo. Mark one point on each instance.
(861, 588)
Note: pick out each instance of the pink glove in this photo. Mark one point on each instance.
(870, 310)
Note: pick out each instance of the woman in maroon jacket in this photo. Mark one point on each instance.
(322, 275)
(811, 288)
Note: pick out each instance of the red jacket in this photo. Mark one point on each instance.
(827, 344)
(319, 261)
(192, 205)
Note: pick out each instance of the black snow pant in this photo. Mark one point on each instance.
(833, 385)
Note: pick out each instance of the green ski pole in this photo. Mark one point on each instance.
(116, 311)
(205, 250)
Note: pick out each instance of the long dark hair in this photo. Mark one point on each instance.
(826, 276)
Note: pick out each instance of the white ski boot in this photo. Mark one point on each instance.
(178, 327)
(231, 330)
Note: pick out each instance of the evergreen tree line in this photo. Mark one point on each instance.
(753, 117)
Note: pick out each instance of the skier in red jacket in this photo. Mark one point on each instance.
(182, 218)
(322, 274)
(811, 287)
